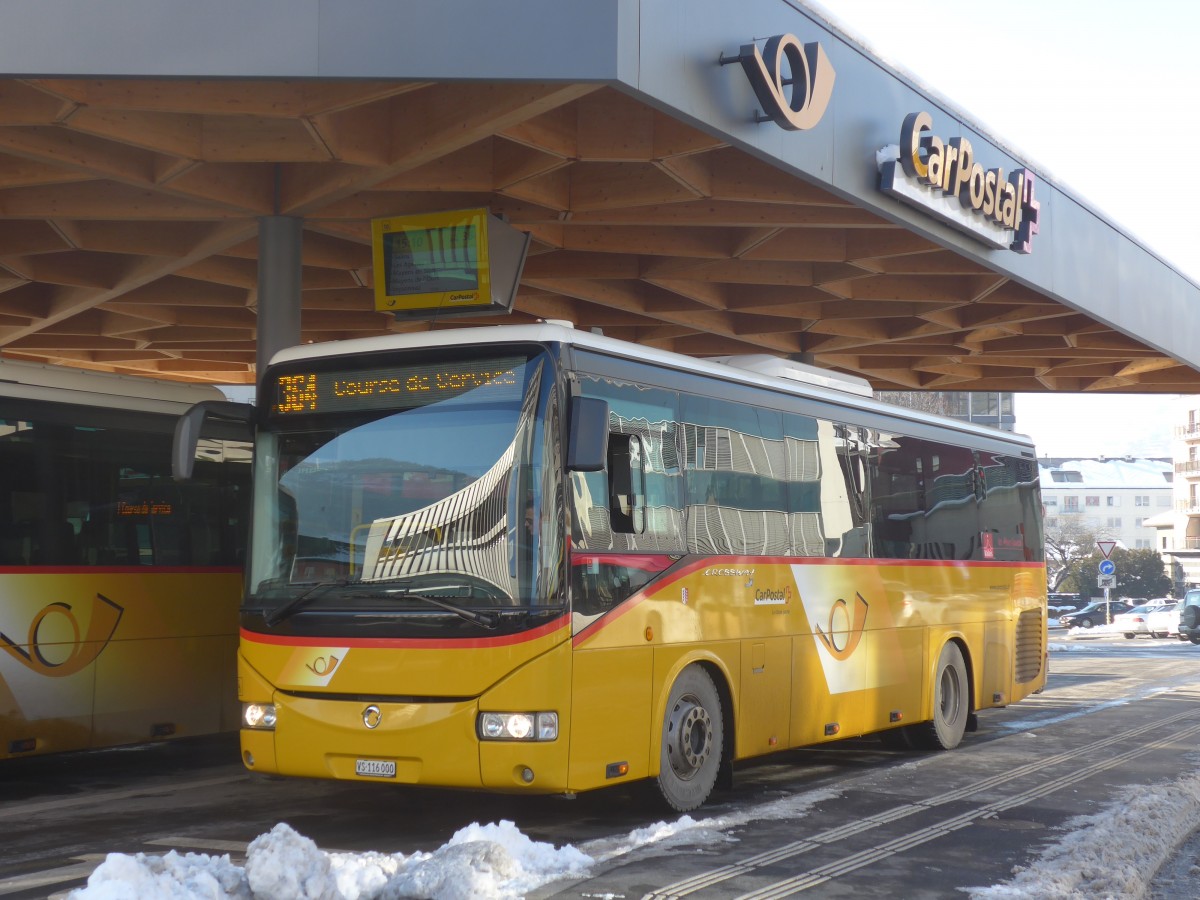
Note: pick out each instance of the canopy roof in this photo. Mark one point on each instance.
(129, 212)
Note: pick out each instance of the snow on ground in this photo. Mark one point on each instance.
(1113, 853)
(479, 862)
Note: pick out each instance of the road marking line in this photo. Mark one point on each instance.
(30, 880)
(12, 811)
(830, 836)
(192, 843)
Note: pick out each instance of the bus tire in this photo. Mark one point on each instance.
(693, 740)
(951, 701)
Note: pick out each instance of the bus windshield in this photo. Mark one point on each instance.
(379, 485)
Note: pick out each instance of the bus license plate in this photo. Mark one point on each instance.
(376, 768)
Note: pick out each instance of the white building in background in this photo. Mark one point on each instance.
(1110, 498)
(1178, 529)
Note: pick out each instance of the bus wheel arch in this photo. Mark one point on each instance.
(695, 749)
(953, 700)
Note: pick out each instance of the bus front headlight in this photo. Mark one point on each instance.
(258, 715)
(536, 726)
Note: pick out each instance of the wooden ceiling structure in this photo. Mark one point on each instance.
(129, 212)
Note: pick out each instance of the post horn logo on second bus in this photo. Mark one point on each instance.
(845, 628)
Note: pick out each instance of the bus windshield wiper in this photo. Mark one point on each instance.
(317, 590)
(484, 620)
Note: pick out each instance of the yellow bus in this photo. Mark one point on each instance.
(532, 559)
(119, 588)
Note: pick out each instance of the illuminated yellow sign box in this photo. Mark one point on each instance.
(445, 263)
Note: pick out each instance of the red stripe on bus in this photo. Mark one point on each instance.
(508, 640)
(120, 570)
(646, 563)
(745, 562)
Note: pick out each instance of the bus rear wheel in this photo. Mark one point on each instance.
(950, 702)
(693, 734)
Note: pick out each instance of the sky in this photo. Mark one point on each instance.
(1098, 95)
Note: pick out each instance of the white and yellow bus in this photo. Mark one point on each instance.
(119, 588)
(532, 559)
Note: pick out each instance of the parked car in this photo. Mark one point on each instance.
(1134, 622)
(1163, 620)
(1064, 603)
(1189, 617)
(1100, 613)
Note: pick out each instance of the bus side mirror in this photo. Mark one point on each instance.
(587, 447)
(237, 417)
(626, 484)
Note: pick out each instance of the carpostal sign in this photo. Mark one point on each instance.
(944, 179)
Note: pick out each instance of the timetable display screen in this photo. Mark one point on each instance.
(431, 260)
(496, 379)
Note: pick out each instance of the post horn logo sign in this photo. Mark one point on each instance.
(843, 636)
(80, 650)
(795, 95)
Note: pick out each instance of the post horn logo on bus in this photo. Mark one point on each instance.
(50, 627)
(851, 626)
(794, 99)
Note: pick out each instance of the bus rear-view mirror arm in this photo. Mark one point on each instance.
(189, 426)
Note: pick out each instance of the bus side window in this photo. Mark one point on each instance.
(626, 484)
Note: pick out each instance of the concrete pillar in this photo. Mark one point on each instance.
(279, 242)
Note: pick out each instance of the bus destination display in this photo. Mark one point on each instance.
(398, 387)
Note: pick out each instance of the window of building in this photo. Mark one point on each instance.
(1141, 500)
(984, 403)
(1071, 504)
(1113, 501)
(1091, 501)
(1114, 522)
(1050, 501)
(1063, 476)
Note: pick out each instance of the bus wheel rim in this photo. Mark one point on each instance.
(690, 732)
(949, 694)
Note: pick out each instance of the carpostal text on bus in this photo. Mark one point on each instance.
(944, 179)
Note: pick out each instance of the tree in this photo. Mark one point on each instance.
(1140, 573)
(926, 401)
(1068, 541)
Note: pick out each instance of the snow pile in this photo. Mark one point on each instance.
(1113, 853)
(480, 862)
(494, 861)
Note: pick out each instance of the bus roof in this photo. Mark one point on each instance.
(749, 369)
(60, 384)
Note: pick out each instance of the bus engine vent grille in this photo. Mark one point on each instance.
(1030, 652)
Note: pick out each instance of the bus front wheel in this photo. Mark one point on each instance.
(950, 701)
(692, 740)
